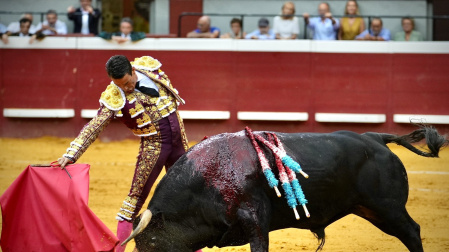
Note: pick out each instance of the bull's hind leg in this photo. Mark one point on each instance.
(396, 222)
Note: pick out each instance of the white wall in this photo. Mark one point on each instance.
(160, 16)
(367, 7)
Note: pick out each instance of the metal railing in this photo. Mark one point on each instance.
(242, 16)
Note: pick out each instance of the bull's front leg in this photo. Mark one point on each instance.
(255, 224)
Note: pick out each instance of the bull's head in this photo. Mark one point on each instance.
(153, 234)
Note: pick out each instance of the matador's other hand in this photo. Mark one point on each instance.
(63, 161)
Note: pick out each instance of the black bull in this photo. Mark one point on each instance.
(217, 195)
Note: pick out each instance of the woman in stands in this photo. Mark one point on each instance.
(286, 26)
(408, 33)
(351, 25)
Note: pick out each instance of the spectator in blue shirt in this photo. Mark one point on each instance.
(324, 27)
(376, 32)
(264, 31)
(204, 29)
(2, 28)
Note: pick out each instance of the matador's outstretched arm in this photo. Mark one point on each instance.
(87, 136)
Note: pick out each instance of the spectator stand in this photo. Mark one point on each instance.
(70, 34)
(305, 35)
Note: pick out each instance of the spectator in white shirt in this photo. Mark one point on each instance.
(24, 31)
(52, 26)
(286, 26)
(85, 18)
(14, 27)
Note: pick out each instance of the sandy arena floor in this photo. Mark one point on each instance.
(112, 166)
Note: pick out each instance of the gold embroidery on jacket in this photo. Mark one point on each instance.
(148, 131)
(131, 98)
(137, 110)
(89, 133)
(145, 120)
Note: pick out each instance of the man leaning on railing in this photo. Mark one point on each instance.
(204, 30)
(52, 25)
(376, 32)
(24, 31)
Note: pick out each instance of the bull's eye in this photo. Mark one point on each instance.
(153, 238)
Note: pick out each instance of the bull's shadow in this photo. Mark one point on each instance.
(217, 195)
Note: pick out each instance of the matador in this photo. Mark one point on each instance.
(143, 98)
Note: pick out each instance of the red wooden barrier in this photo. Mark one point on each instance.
(234, 80)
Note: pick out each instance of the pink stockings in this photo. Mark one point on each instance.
(124, 229)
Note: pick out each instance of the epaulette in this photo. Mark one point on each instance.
(146, 63)
(113, 97)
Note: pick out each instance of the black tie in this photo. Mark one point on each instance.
(148, 91)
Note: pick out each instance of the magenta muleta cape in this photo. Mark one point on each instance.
(45, 210)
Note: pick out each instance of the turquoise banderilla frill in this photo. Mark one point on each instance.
(272, 181)
(287, 168)
(292, 164)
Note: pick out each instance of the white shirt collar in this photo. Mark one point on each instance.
(144, 81)
(139, 76)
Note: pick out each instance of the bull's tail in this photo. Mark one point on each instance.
(321, 236)
(434, 140)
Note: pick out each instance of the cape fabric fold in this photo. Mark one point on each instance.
(45, 210)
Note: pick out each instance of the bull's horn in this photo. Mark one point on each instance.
(146, 217)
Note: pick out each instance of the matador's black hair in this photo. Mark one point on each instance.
(118, 66)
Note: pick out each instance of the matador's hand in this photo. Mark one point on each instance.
(63, 161)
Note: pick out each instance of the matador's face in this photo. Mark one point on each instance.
(127, 83)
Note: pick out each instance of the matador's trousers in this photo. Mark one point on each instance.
(162, 149)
